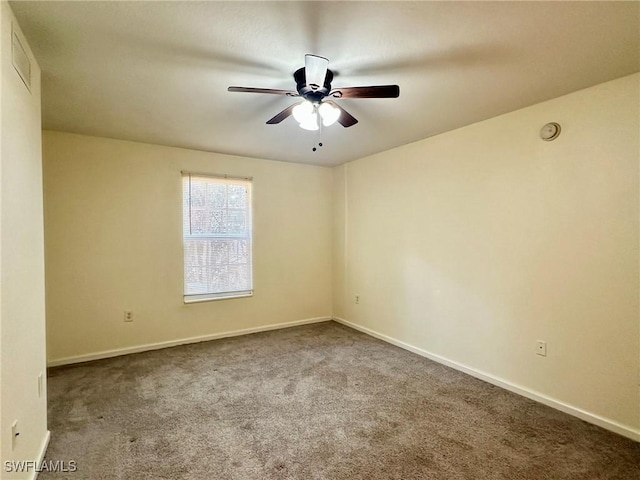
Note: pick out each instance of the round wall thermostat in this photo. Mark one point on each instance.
(550, 131)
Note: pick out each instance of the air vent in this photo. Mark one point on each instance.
(20, 59)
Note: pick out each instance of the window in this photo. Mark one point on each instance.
(217, 237)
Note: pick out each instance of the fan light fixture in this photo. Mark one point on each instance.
(306, 114)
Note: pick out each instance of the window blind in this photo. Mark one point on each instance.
(217, 237)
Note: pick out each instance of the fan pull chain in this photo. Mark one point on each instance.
(318, 135)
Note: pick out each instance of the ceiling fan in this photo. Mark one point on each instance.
(313, 84)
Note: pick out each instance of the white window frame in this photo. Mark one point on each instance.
(205, 297)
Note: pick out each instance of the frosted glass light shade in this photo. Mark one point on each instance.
(311, 122)
(302, 111)
(329, 114)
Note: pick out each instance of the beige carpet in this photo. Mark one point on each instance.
(312, 402)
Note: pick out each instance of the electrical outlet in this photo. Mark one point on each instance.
(357, 298)
(14, 434)
(128, 316)
(40, 384)
(541, 348)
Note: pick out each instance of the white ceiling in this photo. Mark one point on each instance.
(158, 72)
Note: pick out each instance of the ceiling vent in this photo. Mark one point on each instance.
(20, 59)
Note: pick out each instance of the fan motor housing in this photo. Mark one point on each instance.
(313, 93)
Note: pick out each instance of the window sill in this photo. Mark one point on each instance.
(205, 298)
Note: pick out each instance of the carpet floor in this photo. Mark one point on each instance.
(319, 401)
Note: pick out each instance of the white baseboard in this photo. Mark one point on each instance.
(43, 450)
(172, 343)
(624, 430)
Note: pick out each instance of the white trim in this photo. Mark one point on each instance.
(624, 430)
(210, 297)
(172, 343)
(43, 450)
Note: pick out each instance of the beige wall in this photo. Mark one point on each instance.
(113, 228)
(474, 244)
(468, 246)
(22, 313)
(339, 239)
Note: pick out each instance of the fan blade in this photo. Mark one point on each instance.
(345, 119)
(378, 91)
(282, 115)
(315, 70)
(263, 90)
